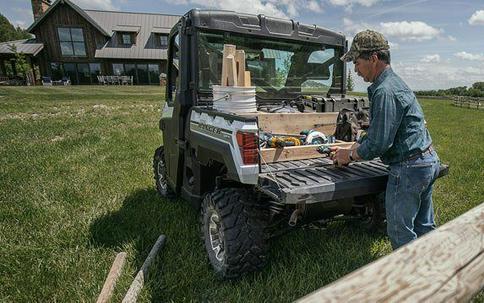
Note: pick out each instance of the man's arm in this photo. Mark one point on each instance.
(385, 120)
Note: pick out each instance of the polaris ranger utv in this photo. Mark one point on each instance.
(247, 192)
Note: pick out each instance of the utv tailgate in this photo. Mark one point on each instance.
(318, 180)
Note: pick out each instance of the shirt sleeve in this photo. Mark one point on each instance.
(385, 120)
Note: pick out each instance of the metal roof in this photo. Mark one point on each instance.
(74, 7)
(23, 46)
(147, 23)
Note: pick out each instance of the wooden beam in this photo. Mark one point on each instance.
(247, 81)
(240, 65)
(138, 282)
(111, 279)
(271, 155)
(445, 265)
(229, 72)
(294, 123)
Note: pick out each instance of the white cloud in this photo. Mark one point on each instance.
(413, 30)
(349, 3)
(431, 58)
(96, 4)
(271, 8)
(469, 56)
(452, 38)
(314, 6)
(477, 18)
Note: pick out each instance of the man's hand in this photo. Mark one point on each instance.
(340, 156)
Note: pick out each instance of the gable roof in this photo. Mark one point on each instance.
(145, 24)
(109, 22)
(79, 10)
(23, 46)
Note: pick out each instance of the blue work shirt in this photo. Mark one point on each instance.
(397, 126)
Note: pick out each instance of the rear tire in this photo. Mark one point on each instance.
(234, 232)
(159, 169)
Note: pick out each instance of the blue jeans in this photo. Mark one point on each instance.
(408, 198)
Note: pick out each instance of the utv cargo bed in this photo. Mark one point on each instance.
(318, 180)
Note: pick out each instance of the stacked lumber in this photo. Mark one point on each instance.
(233, 67)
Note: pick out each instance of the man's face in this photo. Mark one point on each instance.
(366, 68)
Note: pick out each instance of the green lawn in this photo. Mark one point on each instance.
(76, 188)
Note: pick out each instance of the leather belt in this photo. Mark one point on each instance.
(417, 155)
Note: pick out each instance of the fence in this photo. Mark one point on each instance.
(445, 265)
(468, 102)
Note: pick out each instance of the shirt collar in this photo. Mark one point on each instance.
(382, 76)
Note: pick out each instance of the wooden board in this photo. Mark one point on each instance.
(445, 265)
(229, 72)
(240, 65)
(294, 123)
(271, 155)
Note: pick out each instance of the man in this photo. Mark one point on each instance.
(397, 134)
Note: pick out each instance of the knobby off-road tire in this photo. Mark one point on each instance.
(234, 232)
(159, 169)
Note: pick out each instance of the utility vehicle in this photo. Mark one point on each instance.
(247, 193)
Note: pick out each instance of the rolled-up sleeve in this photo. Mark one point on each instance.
(385, 119)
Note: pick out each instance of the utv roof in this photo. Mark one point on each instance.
(261, 25)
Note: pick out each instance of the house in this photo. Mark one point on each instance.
(81, 44)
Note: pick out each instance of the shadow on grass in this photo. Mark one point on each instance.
(299, 262)
(138, 219)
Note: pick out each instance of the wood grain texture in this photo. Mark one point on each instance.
(229, 70)
(271, 155)
(138, 282)
(294, 123)
(445, 265)
(240, 64)
(111, 279)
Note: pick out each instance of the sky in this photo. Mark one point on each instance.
(434, 44)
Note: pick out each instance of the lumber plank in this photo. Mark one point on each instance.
(294, 123)
(443, 265)
(271, 155)
(229, 50)
(138, 282)
(240, 65)
(247, 81)
(111, 279)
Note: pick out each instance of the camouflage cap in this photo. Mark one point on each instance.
(365, 41)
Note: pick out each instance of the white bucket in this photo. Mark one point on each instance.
(234, 99)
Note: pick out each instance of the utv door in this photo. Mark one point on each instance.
(170, 119)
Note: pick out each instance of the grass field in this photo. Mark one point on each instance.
(76, 188)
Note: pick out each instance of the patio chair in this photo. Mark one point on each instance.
(66, 81)
(46, 81)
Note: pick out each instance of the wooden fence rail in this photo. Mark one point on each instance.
(446, 265)
(468, 102)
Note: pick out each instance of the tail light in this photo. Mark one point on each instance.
(248, 147)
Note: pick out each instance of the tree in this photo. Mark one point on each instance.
(9, 33)
(349, 82)
(22, 67)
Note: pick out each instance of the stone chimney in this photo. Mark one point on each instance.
(39, 7)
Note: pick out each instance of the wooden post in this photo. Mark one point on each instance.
(247, 79)
(138, 282)
(445, 265)
(111, 279)
(229, 67)
(240, 62)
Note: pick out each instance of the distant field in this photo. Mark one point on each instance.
(76, 188)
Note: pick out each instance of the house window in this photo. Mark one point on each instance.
(126, 39)
(71, 41)
(163, 41)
